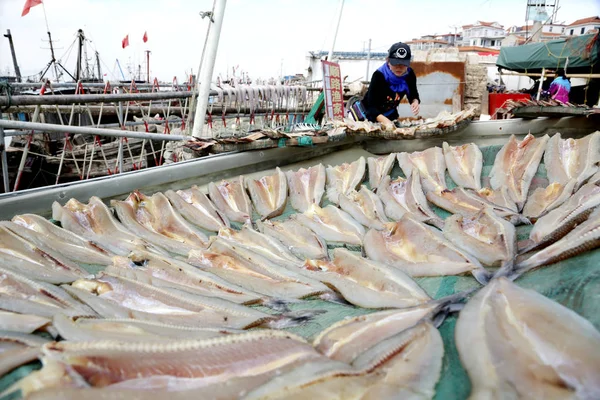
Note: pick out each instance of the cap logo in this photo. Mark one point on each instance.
(400, 52)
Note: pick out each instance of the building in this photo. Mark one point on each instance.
(453, 39)
(483, 34)
(583, 26)
(427, 44)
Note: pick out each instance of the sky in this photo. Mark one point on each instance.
(263, 38)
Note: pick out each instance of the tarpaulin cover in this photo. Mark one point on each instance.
(574, 283)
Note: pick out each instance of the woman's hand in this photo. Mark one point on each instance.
(414, 107)
(386, 124)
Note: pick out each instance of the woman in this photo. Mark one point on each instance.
(560, 87)
(389, 84)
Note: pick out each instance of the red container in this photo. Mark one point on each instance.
(497, 100)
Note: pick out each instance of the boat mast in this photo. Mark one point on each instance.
(98, 66)
(14, 55)
(148, 65)
(79, 48)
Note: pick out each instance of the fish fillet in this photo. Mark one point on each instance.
(515, 166)
(379, 167)
(516, 343)
(544, 200)
(366, 283)
(499, 197)
(431, 166)
(231, 198)
(365, 207)
(196, 208)
(420, 250)
(464, 164)
(567, 159)
(298, 239)
(344, 178)
(154, 219)
(269, 194)
(24, 323)
(332, 224)
(405, 196)
(307, 187)
(17, 349)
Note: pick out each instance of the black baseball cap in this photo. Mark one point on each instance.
(399, 54)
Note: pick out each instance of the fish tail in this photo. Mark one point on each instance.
(280, 305)
(482, 275)
(333, 297)
(293, 318)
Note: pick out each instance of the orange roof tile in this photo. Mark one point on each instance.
(478, 49)
(583, 21)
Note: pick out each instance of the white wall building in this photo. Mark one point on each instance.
(583, 26)
(483, 34)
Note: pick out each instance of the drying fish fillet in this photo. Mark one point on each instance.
(196, 207)
(95, 222)
(468, 204)
(558, 222)
(365, 207)
(307, 187)
(366, 283)
(515, 166)
(332, 224)
(464, 164)
(154, 219)
(379, 167)
(298, 239)
(595, 179)
(17, 349)
(405, 196)
(22, 295)
(542, 201)
(431, 166)
(350, 337)
(166, 272)
(260, 243)
(344, 178)
(88, 329)
(584, 237)
(269, 194)
(231, 198)
(406, 365)
(230, 263)
(499, 197)
(43, 232)
(420, 250)
(567, 159)
(118, 297)
(515, 343)
(24, 323)
(180, 365)
(491, 239)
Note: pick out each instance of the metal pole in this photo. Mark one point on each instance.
(14, 55)
(4, 161)
(208, 67)
(148, 66)
(368, 61)
(337, 27)
(539, 92)
(79, 48)
(120, 156)
(100, 78)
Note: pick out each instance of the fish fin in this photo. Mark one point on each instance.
(482, 275)
(440, 317)
(294, 318)
(525, 246)
(280, 305)
(333, 297)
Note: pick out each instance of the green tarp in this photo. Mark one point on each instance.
(582, 52)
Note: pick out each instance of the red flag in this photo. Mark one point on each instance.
(125, 41)
(28, 5)
(145, 37)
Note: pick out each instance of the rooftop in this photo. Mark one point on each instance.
(585, 21)
(478, 49)
(427, 41)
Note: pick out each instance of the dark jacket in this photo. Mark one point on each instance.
(381, 99)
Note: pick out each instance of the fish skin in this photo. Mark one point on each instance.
(379, 167)
(595, 179)
(306, 186)
(344, 178)
(366, 283)
(516, 343)
(78, 249)
(464, 164)
(515, 166)
(544, 200)
(269, 194)
(431, 166)
(365, 207)
(298, 239)
(198, 209)
(420, 250)
(230, 198)
(153, 219)
(560, 221)
(567, 159)
(585, 237)
(95, 222)
(486, 236)
(332, 224)
(402, 196)
(17, 349)
(24, 323)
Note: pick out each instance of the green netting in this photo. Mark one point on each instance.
(574, 283)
